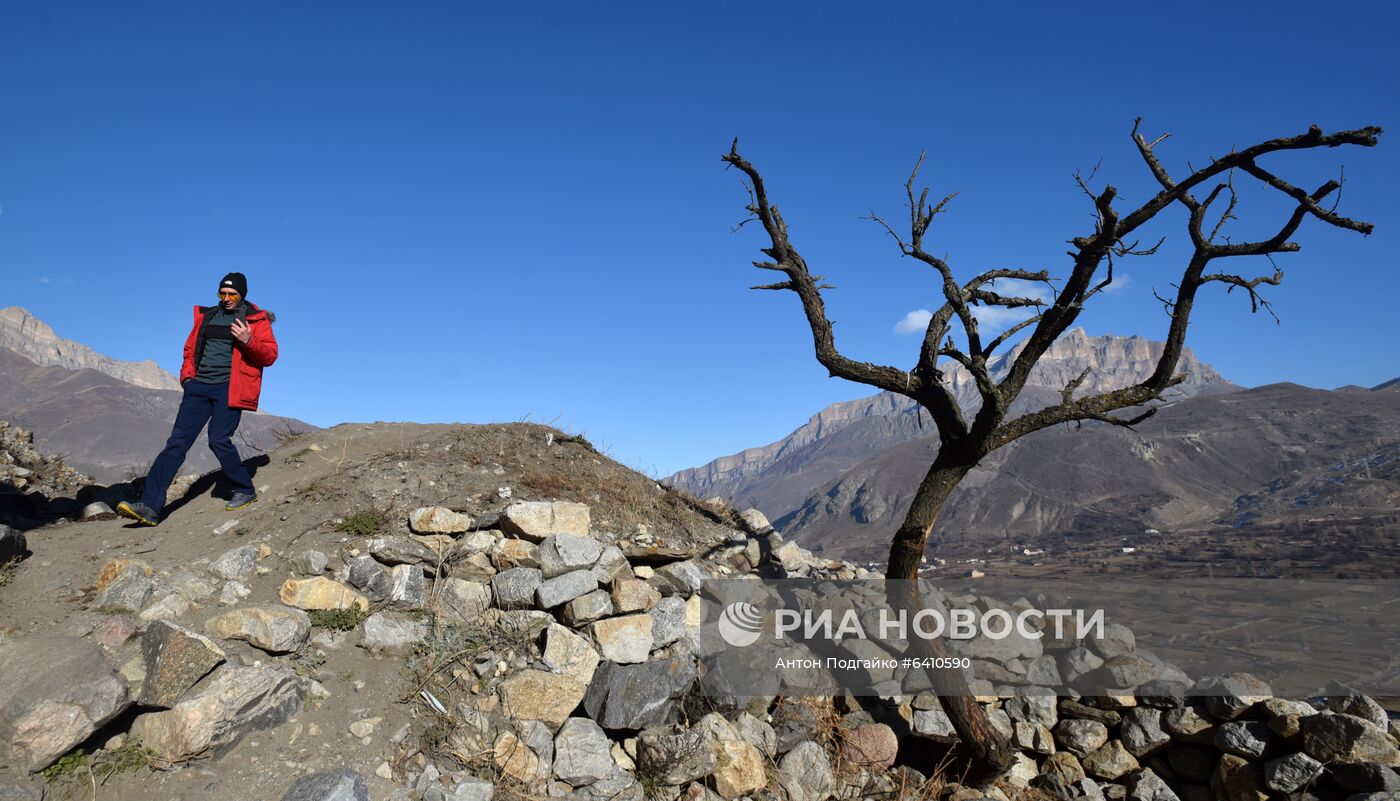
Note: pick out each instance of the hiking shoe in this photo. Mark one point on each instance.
(139, 512)
(240, 500)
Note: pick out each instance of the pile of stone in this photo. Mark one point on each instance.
(28, 479)
(25, 469)
(583, 681)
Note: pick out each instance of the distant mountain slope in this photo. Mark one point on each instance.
(777, 478)
(103, 426)
(1276, 454)
(33, 339)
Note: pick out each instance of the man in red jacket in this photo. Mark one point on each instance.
(225, 353)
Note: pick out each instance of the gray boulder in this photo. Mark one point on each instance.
(12, 544)
(1246, 738)
(667, 621)
(401, 550)
(1289, 773)
(1142, 733)
(565, 553)
(1116, 640)
(675, 756)
(515, 588)
(277, 630)
(128, 592)
(175, 659)
(637, 696)
(679, 578)
(1228, 697)
(341, 784)
(233, 702)
(236, 564)
(582, 753)
(1080, 737)
(406, 587)
(386, 632)
(310, 563)
(1146, 785)
(367, 575)
(562, 589)
(1341, 698)
(1033, 704)
(588, 607)
(472, 789)
(806, 772)
(1365, 777)
(45, 713)
(1346, 738)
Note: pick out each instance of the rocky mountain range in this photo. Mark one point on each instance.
(79, 405)
(778, 478)
(1273, 455)
(33, 339)
(1216, 455)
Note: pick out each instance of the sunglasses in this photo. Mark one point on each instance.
(227, 293)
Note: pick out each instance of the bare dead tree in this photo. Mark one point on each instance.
(964, 442)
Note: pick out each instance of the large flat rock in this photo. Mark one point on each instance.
(54, 693)
(231, 703)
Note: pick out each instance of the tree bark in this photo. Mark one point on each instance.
(911, 540)
(988, 746)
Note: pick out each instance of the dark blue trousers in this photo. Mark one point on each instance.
(203, 403)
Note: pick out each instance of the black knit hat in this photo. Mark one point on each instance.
(237, 282)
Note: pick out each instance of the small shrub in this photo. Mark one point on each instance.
(338, 619)
(362, 524)
(308, 664)
(130, 757)
(67, 765)
(8, 569)
(285, 433)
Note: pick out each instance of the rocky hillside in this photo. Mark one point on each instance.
(33, 339)
(500, 612)
(779, 477)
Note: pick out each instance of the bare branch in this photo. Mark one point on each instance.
(1123, 422)
(1256, 301)
(1364, 137)
(1305, 201)
(1228, 214)
(808, 288)
(1010, 332)
(1094, 407)
(1167, 303)
(1067, 394)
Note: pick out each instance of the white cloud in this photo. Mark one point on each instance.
(44, 279)
(998, 318)
(1016, 288)
(913, 322)
(1121, 281)
(995, 318)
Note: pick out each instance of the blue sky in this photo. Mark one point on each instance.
(472, 212)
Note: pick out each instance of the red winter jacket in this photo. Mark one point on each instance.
(245, 377)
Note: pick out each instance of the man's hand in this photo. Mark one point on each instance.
(241, 331)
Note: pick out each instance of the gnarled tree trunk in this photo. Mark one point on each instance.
(1092, 257)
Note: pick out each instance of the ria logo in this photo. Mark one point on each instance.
(740, 624)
